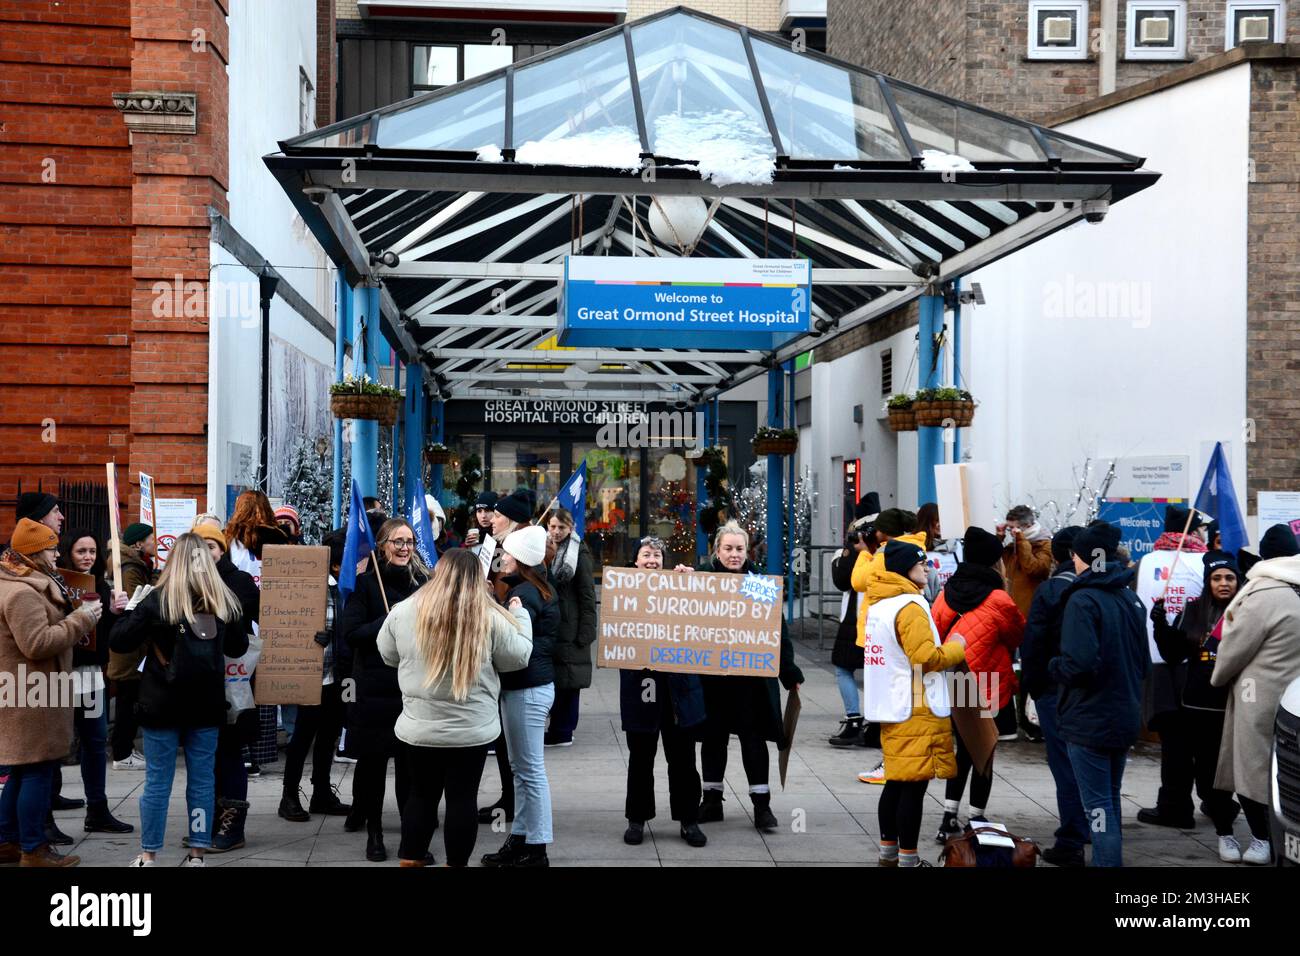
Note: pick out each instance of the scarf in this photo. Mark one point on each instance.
(21, 566)
(1036, 532)
(970, 585)
(565, 565)
(1169, 542)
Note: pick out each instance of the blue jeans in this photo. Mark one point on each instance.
(24, 803)
(1100, 772)
(849, 689)
(564, 715)
(1072, 834)
(200, 784)
(525, 724)
(93, 731)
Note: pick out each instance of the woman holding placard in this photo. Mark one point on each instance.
(749, 707)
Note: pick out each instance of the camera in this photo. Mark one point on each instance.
(1094, 210)
(317, 194)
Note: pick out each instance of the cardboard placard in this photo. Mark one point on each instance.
(965, 496)
(691, 623)
(294, 595)
(79, 584)
(114, 532)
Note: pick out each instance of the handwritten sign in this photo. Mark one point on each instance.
(292, 610)
(691, 623)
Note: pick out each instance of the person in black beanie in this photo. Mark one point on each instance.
(480, 525)
(1189, 739)
(41, 507)
(1278, 542)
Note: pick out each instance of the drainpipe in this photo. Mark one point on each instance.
(342, 333)
(266, 283)
(1109, 52)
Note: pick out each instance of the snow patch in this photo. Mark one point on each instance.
(725, 146)
(612, 147)
(937, 161)
(489, 154)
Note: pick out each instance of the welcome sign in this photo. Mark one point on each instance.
(624, 301)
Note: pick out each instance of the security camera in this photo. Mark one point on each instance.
(317, 194)
(1094, 210)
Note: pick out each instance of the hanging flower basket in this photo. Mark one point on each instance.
(775, 441)
(940, 407)
(437, 454)
(364, 400)
(902, 416)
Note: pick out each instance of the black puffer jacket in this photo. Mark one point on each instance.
(1042, 639)
(577, 629)
(846, 652)
(546, 627)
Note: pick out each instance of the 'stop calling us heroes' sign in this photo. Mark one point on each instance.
(709, 303)
(691, 623)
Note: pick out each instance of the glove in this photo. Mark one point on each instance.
(1158, 611)
(141, 592)
(322, 638)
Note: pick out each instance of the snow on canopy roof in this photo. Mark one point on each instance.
(569, 152)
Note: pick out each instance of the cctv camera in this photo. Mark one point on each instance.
(388, 259)
(1094, 210)
(317, 194)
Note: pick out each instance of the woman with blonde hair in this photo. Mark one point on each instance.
(448, 644)
(187, 626)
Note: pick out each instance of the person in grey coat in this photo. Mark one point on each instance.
(571, 573)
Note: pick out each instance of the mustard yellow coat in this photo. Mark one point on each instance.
(869, 567)
(920, 748)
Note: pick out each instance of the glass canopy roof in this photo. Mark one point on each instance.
(691, 88)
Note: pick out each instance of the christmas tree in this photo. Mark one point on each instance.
(309, 487)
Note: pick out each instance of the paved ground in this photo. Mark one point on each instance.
(829, 817)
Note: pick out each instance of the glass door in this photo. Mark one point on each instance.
(526, 464)
(613, 501)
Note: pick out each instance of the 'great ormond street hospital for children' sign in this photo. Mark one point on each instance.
(650, 302)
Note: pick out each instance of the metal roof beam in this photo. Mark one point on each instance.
(525, 379)
(533, 271)
(565, 356)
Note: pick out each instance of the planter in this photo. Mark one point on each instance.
(377, 408)
(437, 456)
(936, 414)
(902, 419)
(775, 446)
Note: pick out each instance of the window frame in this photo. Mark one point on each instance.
(457, 48)
(1177, 52)
(1230, 21)
(1080, 51)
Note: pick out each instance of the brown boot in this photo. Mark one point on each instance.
(10, 854)
(412, 863)
(47, 856)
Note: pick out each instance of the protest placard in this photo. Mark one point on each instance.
(294, 595)
(691, 623)
(173, 517)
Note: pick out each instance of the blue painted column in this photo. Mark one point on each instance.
(789, 498)
(701, 492)
(342, 334)
(775, 497)
(413, 414)
(365, 437)
(437, 433)
(930, 374)
(956, 362)
(395, 447)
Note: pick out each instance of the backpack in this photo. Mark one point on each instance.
(168, 684)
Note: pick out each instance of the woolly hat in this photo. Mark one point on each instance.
(1219, 561)
(435, 512)
(32, 537)
(486, 499)
(902, 556)
(35, 504)
(1246, 560)
(527, 545)
(1176, 519)
(210, 533)
(868, 505)
(1062, 540)
(1098, 536)
(288, 513)
(135, 533)
(518, 507)
(1278, 542)
(895, 521)
(980, 547)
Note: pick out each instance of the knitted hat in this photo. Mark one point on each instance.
(527, 545)
(1098, 536)
(435, 513)
(35, 504)
(902, 556)
(517, 507)
(1219, 561)
(1176, 519)
(868, 504)
(980, 547)
(1246, 560)
(1278, 542)
(1062, 540)
(32, 537)
(487, 499)
(895, 521)
(135, 533)
(210, 533)
(288, 513)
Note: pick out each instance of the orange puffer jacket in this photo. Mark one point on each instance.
(992, 631)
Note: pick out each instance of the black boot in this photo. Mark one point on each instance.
(764, 818)
(693, 835)
(509, 852)
(99, 820)
(375, 851)
(356, 819)
(870, 736)
(711, 807)
(59, 802)
(291, 808)
(850, 732)
(231, 816)
(53, 834)
(327, 802)
(531, 856)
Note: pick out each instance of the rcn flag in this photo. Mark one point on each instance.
(573, 498)
(1218, 499)
(423, 525)
(359, 544)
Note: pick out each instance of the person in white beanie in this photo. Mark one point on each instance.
(442, 538)
(526, 698)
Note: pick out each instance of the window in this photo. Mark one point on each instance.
(485, 57)
(433, 67)
(1256, 22)
(306, 102)
(887, 372)
(1157, 31)
(1058, 31)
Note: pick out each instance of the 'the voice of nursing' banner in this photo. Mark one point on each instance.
(711, 303)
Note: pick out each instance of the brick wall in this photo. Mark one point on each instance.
(1273, 299)
(65, 252)
(920, 42)
(861, 336)
(326, 62)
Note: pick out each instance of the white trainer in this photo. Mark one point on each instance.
(1260, 853)
(193, 861)
(141, 861)
(134, 762)
(1229, 849)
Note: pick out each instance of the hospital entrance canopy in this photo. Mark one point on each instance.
(462, 204)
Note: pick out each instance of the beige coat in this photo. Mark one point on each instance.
(1259, 656)
(37, 635)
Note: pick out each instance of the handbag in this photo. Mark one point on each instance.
(239, 678)
(966, 850)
